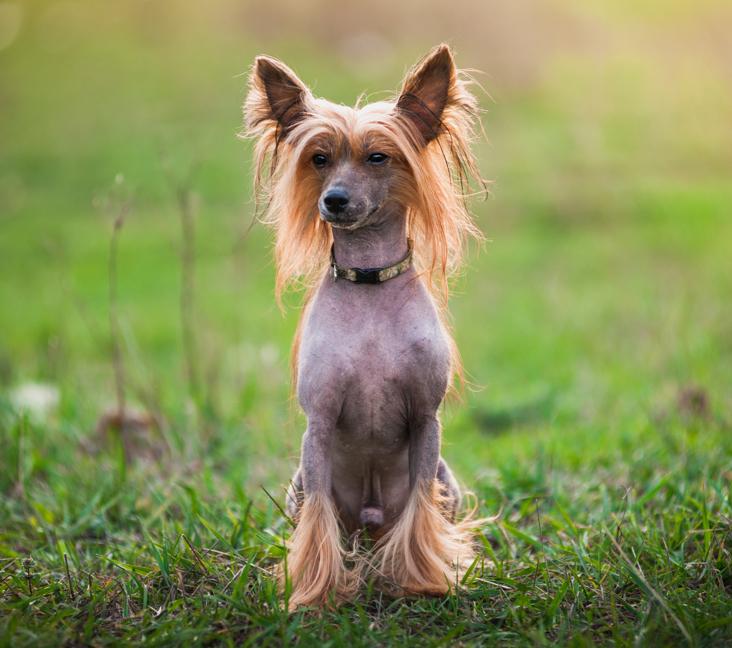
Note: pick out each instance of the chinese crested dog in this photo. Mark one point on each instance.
(368, 207)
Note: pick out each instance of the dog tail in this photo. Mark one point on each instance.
(425, 552)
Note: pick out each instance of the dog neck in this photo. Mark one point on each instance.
(376, 245)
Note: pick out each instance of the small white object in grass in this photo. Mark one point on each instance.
(39, 400)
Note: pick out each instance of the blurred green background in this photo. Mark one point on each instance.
(595, 324)
(602, 294)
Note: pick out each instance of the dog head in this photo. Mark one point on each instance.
(328, 165)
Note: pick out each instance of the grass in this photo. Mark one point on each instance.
(595, 325)
(625, 544)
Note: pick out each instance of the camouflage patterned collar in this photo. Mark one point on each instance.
(371, 275)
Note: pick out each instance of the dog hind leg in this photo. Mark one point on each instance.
(449, 490)
(294, 497)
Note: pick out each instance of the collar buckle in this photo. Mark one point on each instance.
(367, 275)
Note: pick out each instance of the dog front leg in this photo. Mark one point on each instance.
(425, 551)
(425, 464)
(315, 561)
(424, 452)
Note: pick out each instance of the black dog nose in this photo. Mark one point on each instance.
(336, 200)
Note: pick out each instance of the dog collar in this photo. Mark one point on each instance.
(371, 275)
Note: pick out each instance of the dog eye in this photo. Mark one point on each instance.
(377, 158)
(320, 160)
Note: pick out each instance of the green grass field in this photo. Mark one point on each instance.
(595, 326)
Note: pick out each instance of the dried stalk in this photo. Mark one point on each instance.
(114, 325)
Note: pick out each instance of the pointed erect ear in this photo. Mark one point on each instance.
(275, 94)
(426, 91)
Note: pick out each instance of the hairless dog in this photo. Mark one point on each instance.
(368, 208)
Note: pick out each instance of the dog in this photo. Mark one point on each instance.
(368, 207)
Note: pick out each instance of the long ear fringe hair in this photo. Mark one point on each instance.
(443, 171)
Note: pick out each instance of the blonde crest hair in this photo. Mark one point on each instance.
(429, 125)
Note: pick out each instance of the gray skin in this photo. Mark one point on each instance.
(374, 366)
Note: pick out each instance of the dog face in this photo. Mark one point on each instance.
(353, 164)
(356, 175)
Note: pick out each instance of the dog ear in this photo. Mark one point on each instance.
(426, 91)
(275, 94)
